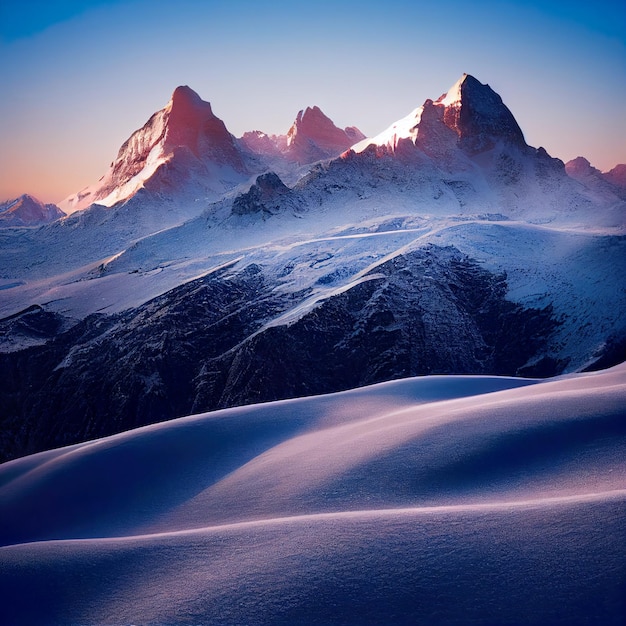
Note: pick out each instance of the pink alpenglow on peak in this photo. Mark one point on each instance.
(614, 180)
(473, 112)
(261, 143)
(312, 137)
(617, 176)
(28, 211)
(187, 115)
(184, 133)
(192, 124)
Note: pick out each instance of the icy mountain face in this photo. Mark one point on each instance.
(28, 211)
(185, 135)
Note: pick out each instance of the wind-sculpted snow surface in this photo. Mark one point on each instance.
(436, 500)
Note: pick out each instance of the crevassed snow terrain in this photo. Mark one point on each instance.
(431, 500)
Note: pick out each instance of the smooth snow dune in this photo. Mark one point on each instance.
(436, 500)
(133, 478)
(537, 563)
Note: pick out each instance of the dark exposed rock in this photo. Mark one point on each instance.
(207, 344)
(482, 118)
(265, 195)
(31, 326)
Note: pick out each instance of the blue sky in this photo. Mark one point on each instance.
(79, 77)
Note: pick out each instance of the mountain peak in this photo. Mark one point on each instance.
(454, 94)
(472, 110)
(314, 136)
(190, 119)
(28, 211)
(311, 114)
(182, 137)
(311, 121)
(185, 97)
(478, 115)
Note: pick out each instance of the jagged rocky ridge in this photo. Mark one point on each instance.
(312, 137)
(211, 344)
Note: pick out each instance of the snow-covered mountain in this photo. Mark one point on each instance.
(469, 140)
(28, 211)
(199, 281)
(444, 245)
(473, 112)
(182, 143)
(185, 144)
(312, 137)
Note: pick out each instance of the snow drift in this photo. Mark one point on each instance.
(435, 500)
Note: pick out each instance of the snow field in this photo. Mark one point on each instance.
(442, 499)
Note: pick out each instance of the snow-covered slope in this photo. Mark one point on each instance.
(435, 500)
(28, 211)
(293, 316)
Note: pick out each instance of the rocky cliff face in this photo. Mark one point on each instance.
(216, 342)
(478, 116)
(313, 136)
(268, 195)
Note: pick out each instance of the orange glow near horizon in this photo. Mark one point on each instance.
(77, 85)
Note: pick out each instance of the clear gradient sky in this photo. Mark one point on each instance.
(78, 77)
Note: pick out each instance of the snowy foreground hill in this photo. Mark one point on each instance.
(434, 500)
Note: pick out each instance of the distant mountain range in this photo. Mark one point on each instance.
(206, 271)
